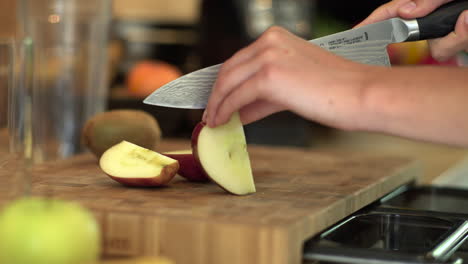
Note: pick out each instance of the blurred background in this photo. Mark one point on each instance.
(155, 41)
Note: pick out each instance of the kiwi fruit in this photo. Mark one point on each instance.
(107, 129)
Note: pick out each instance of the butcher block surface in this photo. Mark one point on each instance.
(299, 193)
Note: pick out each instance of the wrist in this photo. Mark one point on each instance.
(365, 115)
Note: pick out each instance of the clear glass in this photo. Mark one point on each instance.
(6, 81)
(62, 74)
(13, 177)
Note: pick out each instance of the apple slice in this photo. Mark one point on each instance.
(222, 154)
(133, 165)
(189, 168)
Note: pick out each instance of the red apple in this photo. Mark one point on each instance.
(222, 154)
(189, 168)
(132, 165)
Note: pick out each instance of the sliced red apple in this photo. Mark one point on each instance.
(133, 165)
(222, 154)
(189, 168)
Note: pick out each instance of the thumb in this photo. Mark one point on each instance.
(419, 8)
(385, 11)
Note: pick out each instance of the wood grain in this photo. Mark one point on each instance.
(181, 11)
(299, 193)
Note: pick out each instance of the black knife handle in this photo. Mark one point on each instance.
(442, 21)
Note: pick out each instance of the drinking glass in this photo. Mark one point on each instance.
(62, 74)
(13, 180)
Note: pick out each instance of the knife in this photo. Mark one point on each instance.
(366, 44)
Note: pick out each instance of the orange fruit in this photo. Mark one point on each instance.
(147, 76)
(408, 53)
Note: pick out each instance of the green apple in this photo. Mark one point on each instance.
(47, 231)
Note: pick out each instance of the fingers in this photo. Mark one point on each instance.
(403, 8)
(441, 49)
(243, 95)
(271, 35)
(420, 8)
(444, 48)
(258, 110)
(386, 11)
(244, 65)
(232, 78)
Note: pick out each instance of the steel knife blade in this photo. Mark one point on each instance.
(365, 44)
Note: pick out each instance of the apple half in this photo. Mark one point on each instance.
(132, 165)
(189, 168)
(222, 154)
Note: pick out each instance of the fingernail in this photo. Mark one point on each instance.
(204, 116)
(209, 121)
(408, 7)
(210, 124)
(213, 122)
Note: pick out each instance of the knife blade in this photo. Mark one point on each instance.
(366, 44)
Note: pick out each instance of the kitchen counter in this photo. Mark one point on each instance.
(299, 193)
(438, 160)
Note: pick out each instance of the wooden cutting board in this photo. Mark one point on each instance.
(299, 194)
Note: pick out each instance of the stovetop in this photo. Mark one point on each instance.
(414, 224)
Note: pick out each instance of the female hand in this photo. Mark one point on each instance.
(441, 49)
(280, 71)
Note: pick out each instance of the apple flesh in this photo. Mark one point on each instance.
(222, 154)
(132, 165)
(189, 168)
(48, 231)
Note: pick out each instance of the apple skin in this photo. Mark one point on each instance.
(194, 140)
(48, 231)
(190, 169)
(162, 179)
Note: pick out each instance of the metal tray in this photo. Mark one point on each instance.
(390, 237)
(429, 198)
